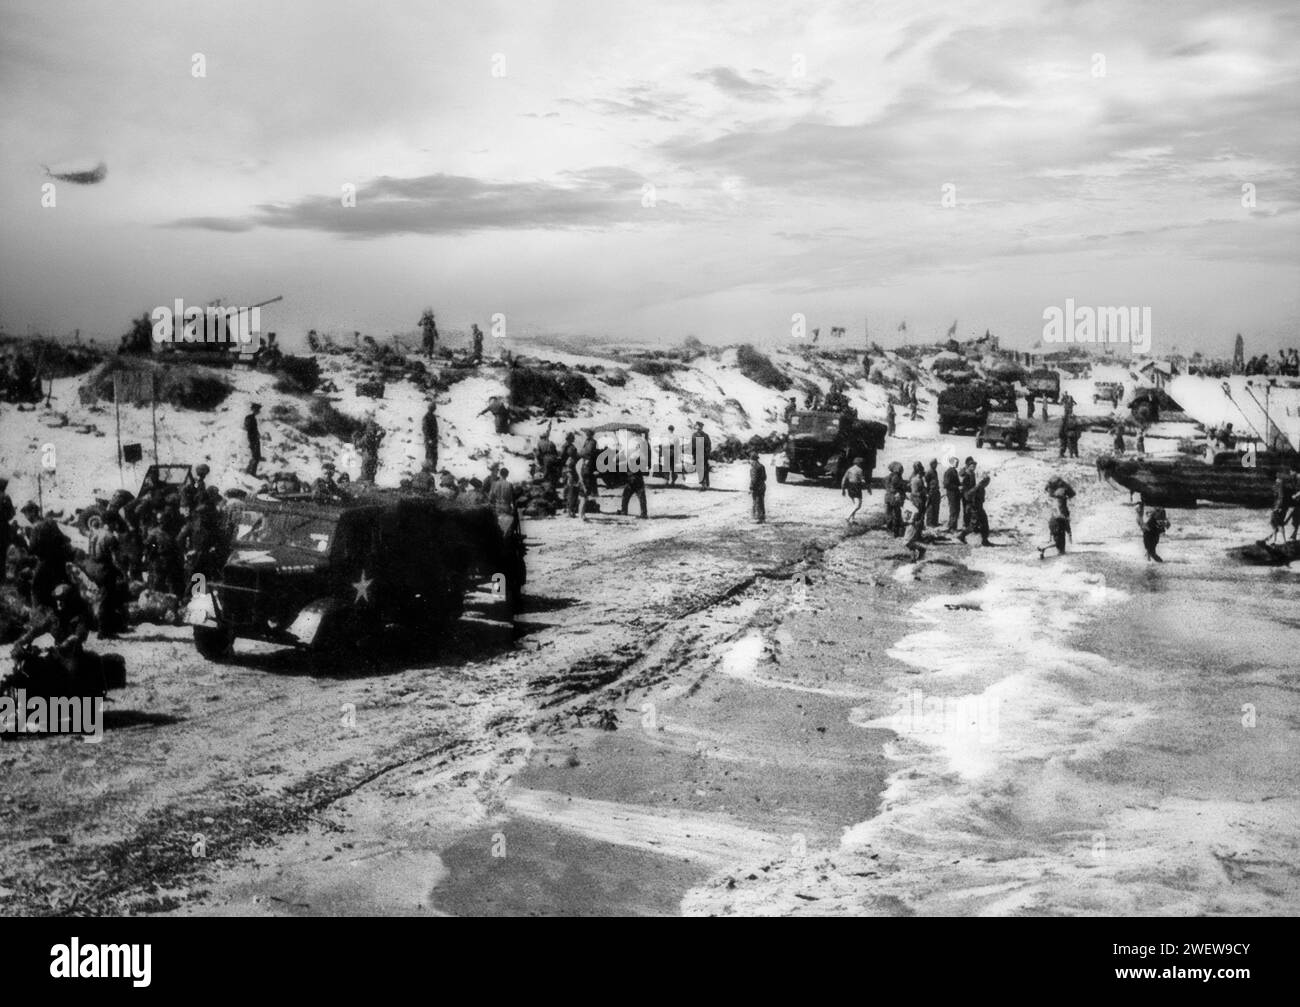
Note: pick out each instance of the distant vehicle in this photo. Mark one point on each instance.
(618, 437)
(822, 445)
(1044, 383)
(1108, 391)
(322, 576)
(170, 476)
(965, 408)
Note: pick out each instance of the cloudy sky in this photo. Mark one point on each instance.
(652, 170)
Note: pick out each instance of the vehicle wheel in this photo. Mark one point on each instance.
(83, 520)
(979, 441)
(781, 473)
(214, 644)
(943, 427)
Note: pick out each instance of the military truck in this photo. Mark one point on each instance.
(1002, 425)
(822, 444)
(324, 575)
(1044, 383)
(986, 409)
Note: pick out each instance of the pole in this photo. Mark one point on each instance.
(117, 409)
(153, 411)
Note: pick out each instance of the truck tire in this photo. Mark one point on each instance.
(979, 441)
(943, 426)
(781, 473)
(214, 644)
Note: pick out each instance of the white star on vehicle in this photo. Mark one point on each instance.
(362, 587)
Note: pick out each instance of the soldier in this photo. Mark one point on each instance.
(500, 414)
(978, 517)
(952, 490)
(502, 494)
(855, 477)
(890, 417)
(367, 441)
(163, 560)
(325, 488)
(68, 620)
(103, 568)
(1058, 525)
(791, 407)
(1074, 440)
(1141, 444)
(1064, 435)
(916, 485)
(572, 487)
(587, 454)
(254, 438)
(1153, 525)
(914, 517)
(1281, 501)
(6, 528)
(895, 494)
(1119, 438)
(668, 455)
(52, 551)
(758, 488)
(703, 445)
(429, 426)
(477, 334)
(569, 451)
(635, 486)
(933, 494)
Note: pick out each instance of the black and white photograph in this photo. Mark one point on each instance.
(586, 458)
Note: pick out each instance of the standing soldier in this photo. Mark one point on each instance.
(367, 441)
(952, 490)
(429, 331)
(1153, 525)
(478, 343)
(500, 414)
(634, 487)
(978, 517)
(915, 519)
(1119, 438)
(758, 487)
(791, 407)
(1281, 498)
(1064, 435)
(254, 438)
(890, 417)
(967, 485)
(430, 427)
(6, 528)
(572, 487)
(895, 494)
(1074, 440)
(668, 455)
(933, 494)
(851, 486)
(703, 445)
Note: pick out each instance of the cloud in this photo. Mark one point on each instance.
(730, 82)
(94, 176)
(598, 197)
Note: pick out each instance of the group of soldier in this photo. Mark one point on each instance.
(913, 503)
(162, 538)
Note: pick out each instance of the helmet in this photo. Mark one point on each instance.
(62, 591)
(202, 470)
(859, 461)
